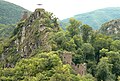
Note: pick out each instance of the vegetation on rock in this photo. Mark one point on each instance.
(33, 52)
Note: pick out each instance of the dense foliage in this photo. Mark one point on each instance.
(100, 52)
(42, 67)
(6, 30)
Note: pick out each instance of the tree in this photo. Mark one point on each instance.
(30, 69)
(57, 40)
(101, 41)
(74, 27)
(104, 70)
(88, 52)
(103, 52)
(70, 45)
(115, 46)
(78, 41)
(86, 32)
(114, 58)
(87, 77)
(78, 57)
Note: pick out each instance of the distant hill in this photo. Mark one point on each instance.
(96, 18)
(9, 14)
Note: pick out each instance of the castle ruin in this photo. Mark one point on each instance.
(25, 15)
(67, 59)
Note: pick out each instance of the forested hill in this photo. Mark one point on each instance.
(10, 13)
(96, 18)
(39, 50)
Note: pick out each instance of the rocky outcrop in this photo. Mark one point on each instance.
(31, 34)
(111, 27)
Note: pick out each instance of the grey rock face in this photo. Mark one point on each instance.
(32, 34)
(110, 28)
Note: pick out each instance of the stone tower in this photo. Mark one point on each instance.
(67, 57)
(25, 15)
(79, 68)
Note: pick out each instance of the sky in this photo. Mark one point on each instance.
(66, 8)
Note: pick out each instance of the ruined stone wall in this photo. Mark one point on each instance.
(67, 59)
(79, 68)
(25, 15)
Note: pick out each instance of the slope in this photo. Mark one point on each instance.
(30, 53)
(9, 14)
(96, 18)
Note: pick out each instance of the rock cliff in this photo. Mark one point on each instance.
(31, 34)
(111, 28)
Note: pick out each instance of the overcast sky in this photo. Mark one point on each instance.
(67, 8)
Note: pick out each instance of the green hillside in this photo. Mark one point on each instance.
(96, 18)
(39, 50)
(9, 14)
(33, 52)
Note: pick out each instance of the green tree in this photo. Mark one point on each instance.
(70, 45)
(114, 58)
(88, 52)
(74, 27)
(115, 45)
(104, 70)
(78, 41)
(86, 32)
(58, 40)
(103, 52)
(101, 41)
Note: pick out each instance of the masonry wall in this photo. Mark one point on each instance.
(25, 15)
(79, 68)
